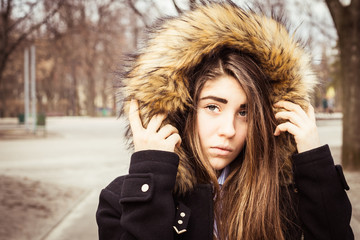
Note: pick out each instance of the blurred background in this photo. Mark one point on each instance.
(60, 138)
(79, 46)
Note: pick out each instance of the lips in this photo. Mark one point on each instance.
(221, 151)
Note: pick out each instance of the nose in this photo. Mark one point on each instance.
(227, 126)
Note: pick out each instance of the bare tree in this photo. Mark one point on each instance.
(77, 47)
(347, 23)
(97, 56)
(13, 31)
(84, 44)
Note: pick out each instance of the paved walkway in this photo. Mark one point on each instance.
(89, 152)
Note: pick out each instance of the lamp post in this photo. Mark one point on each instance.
(30, 98)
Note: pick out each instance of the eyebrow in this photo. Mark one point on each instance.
(221, 100)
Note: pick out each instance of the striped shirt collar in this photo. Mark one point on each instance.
(224, 174)
(221, 180)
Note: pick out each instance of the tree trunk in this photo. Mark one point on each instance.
(74, 91)
(347, 22)
(3, 110)
(91, 108)
(349, 48)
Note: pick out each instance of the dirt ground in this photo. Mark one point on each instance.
(29, 209)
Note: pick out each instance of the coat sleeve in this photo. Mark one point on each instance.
(140, 205)
(324, 208)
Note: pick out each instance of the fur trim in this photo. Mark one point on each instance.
(158, 75)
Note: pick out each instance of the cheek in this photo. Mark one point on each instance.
(203, 126)
(200, 126)
(242, 134)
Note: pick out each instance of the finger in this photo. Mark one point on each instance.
(155, 122)
(286, 127)
(290, 116)
(134, 118)
(289, 106)
(174, 140)
(167, 130)
(311, 113)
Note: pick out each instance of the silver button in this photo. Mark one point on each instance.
(180, 222)
(182, 214)
(145, 187)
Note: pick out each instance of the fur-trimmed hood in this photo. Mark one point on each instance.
(158, 76)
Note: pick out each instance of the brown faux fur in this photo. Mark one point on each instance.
(158, 76)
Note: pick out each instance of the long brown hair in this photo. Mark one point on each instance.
(249, 204)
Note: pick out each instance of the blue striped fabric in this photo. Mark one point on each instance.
(224, 173)
(221, 179)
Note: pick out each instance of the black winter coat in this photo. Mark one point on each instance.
(141, 205)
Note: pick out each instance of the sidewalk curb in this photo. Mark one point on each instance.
(67, 213)
(80, 223)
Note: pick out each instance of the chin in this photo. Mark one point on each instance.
(218, 166)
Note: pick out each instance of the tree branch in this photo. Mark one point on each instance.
(5, 14)
(137, 12)
(336, 9)
(33, 28)
(8, 51)
(24, 17)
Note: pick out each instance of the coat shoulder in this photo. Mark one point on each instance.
(116, 185)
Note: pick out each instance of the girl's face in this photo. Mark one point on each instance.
(222, 120)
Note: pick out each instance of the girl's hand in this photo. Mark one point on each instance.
(154, 137)
(301, 124)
